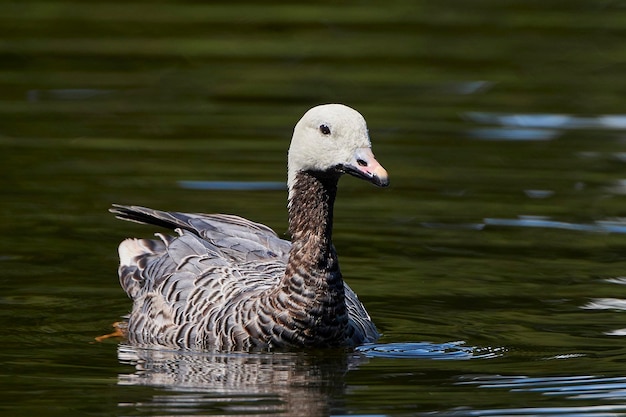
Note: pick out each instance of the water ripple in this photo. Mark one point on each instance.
(582, 411)
(580, 387)
(606, 304)
(426, 350)
(549, 120)
(537, 127)
(617, 225)
(602, 226)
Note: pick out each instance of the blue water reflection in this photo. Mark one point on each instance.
(582, 387)
(426, 350)
(604, 226)
(537, 127)
(549, 121)
(582, 411)
(600, 226)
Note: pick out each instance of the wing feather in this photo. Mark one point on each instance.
(177, 282)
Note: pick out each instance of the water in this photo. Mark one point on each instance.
(493, 266)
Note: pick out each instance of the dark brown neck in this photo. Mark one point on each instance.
(312, 282)
(311, 203)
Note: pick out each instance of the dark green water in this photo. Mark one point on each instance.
(493, 265)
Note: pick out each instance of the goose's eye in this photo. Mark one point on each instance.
(325, 129)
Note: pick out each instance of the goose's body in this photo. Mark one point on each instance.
(225, 282)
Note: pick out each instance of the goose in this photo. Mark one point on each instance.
(223, 282)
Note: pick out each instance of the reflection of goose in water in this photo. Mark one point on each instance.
(289, 383)
(228, 283)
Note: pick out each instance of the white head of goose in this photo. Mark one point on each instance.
(226, 283)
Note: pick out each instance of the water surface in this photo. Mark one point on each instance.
(493, 265)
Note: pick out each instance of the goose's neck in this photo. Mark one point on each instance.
(312, 286)
(311, 202)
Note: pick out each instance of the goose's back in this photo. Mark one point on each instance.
(182, 285)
